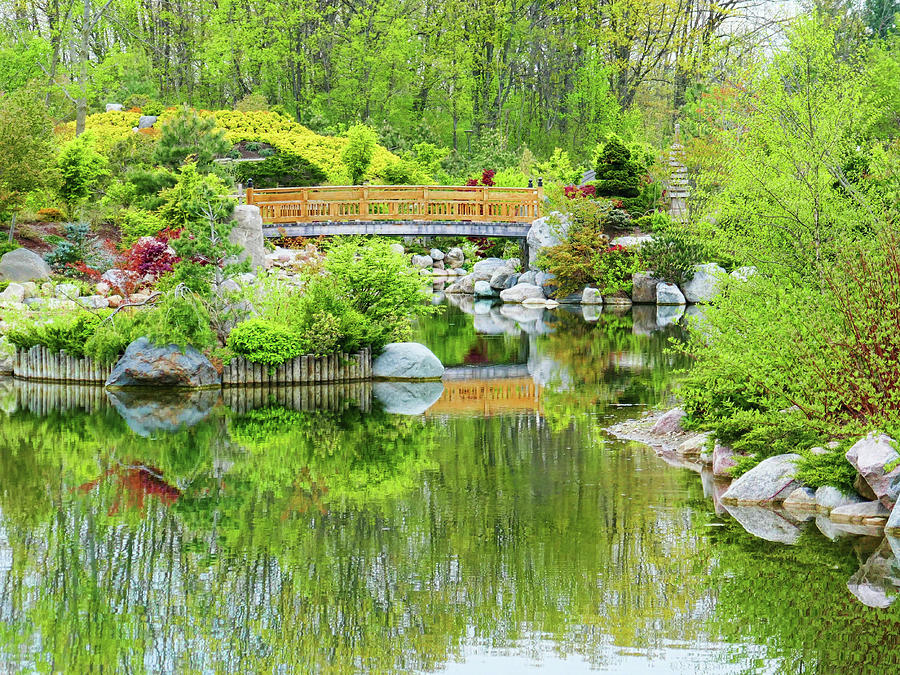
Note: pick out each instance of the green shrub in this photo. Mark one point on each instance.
(68, 334)
(263, 341)
(357, 155)
(110, 338)
(280, 170)
(189, 135)
(671, 255)
(77, 246)
(136, 223)
(379, 284)
(178, 318)
(7, 246)
(80, 167)
(830, 468)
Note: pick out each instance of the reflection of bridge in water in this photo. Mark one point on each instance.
(487, 390)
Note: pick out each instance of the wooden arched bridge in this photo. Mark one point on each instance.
(397, 210)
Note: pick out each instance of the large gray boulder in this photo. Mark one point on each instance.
(529, 277)
(829, 497)
(147, 121)
(407, 361)
(769, 482)
(22, 265)
(870, 456)
(644, 288)
(668, 294)
(407, 398)
(146, 365)
(462, 286)
(483, 289)
(454, 258)
(13, 293)
(501, 276)
(521, 293)
(591, 296)
(704, 286)
(436, 254)
(487, 267)
(632, 240)
(545, 232)
(422, 261)
(247, 232)
(670, 423)
(547, 282)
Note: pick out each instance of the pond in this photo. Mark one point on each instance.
(500, 530)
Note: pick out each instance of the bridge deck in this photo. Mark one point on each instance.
(397, 209)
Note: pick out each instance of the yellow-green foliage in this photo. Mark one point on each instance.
(258, 125)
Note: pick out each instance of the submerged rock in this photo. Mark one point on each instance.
(407, 361)
(769, 482)
(146, 365)
(862, 513)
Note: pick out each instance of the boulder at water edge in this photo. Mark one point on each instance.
(644, 288)
(591, 296)
(454, 258)
(545, 232)
(670, 423)
(422, 261)
(723, 460)
(869, 456)
(704, 285)
(462, 286)
(483, 290)
(521, 292)
(146, 365)
(247, 232)
(23, 265)
(501, 276)
(769, 482)
(829, 497)
(407, 361)
(668, 294)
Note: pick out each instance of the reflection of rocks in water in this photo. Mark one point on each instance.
(529, 319)
(643, 319)
(154, 411)
(326, 396)
(877, 581)
(667, 315)
(438, 296)
(695, 312)
(545, 370)
(616, 309)
(465, 303)
(493, 323)
(482, 306)
(407, 398)
(591, 313)
(768, 524)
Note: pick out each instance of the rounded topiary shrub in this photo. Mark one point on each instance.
(264, 342)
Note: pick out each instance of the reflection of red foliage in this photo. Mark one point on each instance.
(140, 482)
(475, 356)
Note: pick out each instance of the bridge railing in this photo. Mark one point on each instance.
(396, 202)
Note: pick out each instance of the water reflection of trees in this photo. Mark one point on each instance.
(271, 556)
(602, 363)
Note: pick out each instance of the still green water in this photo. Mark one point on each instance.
(501, 531)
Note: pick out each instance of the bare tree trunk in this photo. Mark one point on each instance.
(83, 54)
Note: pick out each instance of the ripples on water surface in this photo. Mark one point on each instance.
(312, 530)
